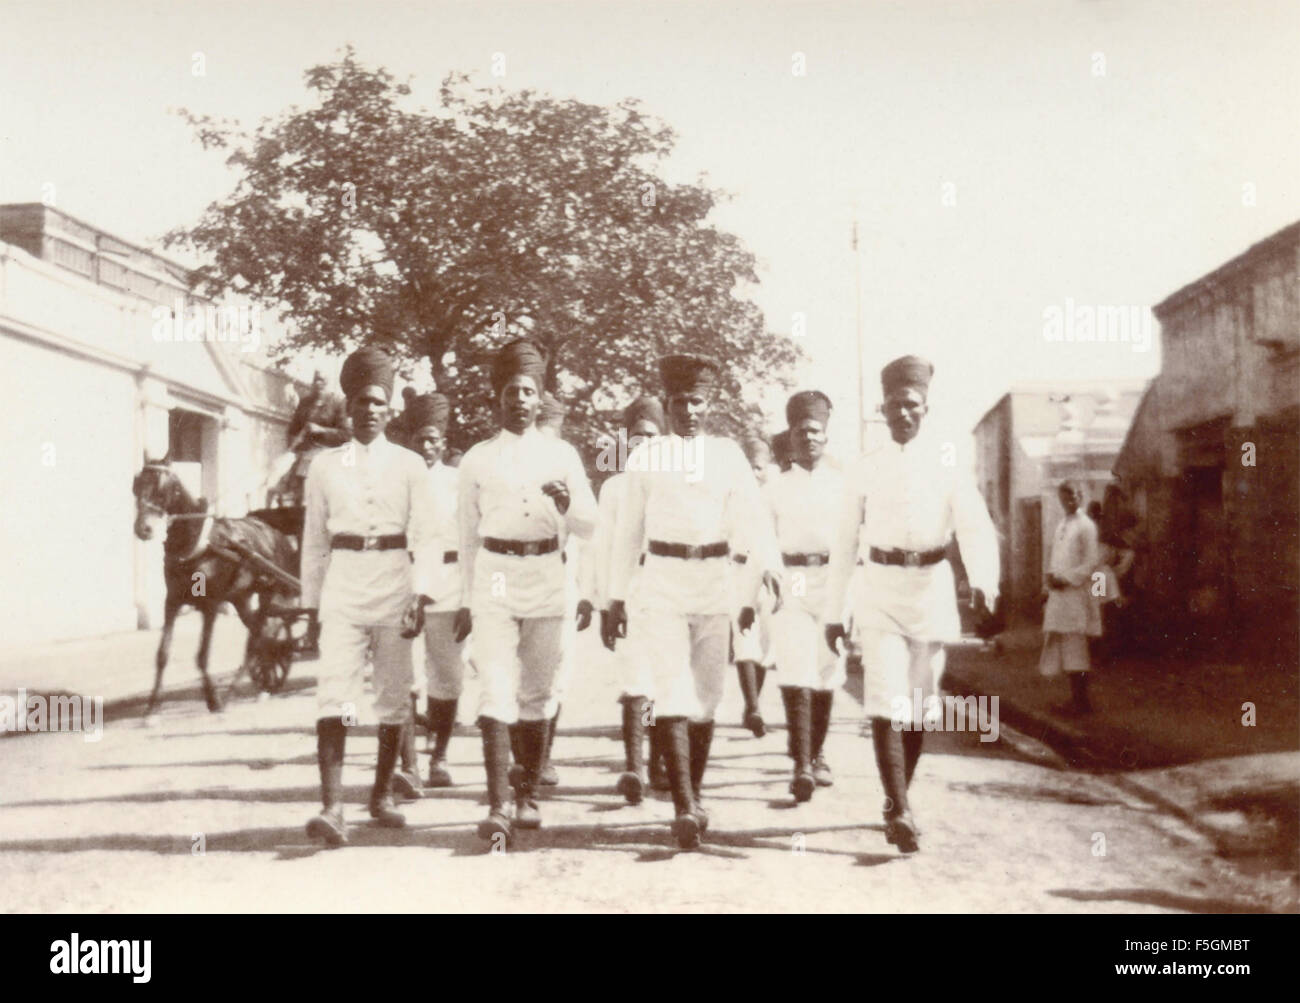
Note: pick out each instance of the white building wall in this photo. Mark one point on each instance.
(67, 553)
(87, 390)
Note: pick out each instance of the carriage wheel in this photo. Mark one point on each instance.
(272, 659)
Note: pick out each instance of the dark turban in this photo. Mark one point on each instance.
(908, 371)
(518, 358)
(427, 409)
(551, 413)
(367, 367)
(683, 374)
(807, 404)
(644, 409)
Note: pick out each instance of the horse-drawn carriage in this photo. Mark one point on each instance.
(250, 562)
(285, 630)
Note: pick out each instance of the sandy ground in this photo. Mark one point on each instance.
(205, 813)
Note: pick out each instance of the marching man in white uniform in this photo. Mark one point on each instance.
(806, 501)
(642, 419)
(550, 422)
(687, 495)
(901, 507)
(367, 503)
(444, 656)
(521, 495)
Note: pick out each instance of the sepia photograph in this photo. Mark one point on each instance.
(675, 457)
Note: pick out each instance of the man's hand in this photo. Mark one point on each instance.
(413, 616)
(746, 618)
(772, 583)
(1056, 582)
(615, 624)
(558, 492)
(585, 609)
(836, 637)
(464, 623)
(981, 600)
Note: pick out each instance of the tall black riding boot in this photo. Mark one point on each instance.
(496, 761)
(1079, 692)
(328, 826)
(442, 719)
(700, 734)
(406, 779)
(546, 775)
(381, 799)
(760, 675)
(912, 742)
(899, 829)
(747, 672)
(822, 700)
(532, 749)
(636, 713)
(408, 747)
(677, 751)
(659, 780)
(798, 718)
(517, 754)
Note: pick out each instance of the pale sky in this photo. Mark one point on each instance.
(1001, 157)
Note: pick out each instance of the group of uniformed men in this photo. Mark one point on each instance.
(690, 564)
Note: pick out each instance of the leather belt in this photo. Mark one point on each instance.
(521, 548)
(353, 541)
(449, 557)
(687, 551)
(908, 558)
(806, 560)
(740, 558)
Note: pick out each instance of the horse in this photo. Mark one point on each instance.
(199, 568)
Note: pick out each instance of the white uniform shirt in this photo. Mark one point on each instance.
(697, 491)
(501, 496)
(1074, 557)
(373, 490)
(910, 497)
(445, 584)
(805, 505)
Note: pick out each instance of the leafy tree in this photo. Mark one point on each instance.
(443, 234)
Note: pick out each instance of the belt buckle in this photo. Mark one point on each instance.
(911, 559)
(370, 543)
(817, 560)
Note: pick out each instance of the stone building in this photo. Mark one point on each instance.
(106, 357)
(1211, 467)
(1036, 435)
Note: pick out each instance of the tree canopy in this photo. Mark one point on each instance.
(443, 234)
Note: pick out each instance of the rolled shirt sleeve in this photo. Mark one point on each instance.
(580, 517)
(752, 529)
(468, 516)
(976, 539)
(844, 547)
(629, 527)
(423, 520)
(315, 538)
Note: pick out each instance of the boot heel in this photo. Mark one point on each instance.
(493, 828)
(686, 830)
(632, 788)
